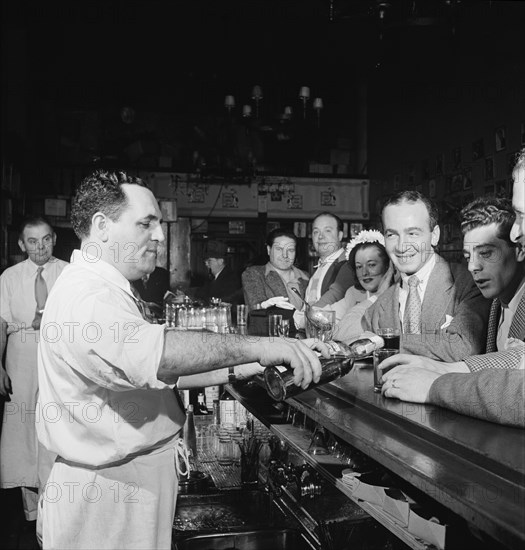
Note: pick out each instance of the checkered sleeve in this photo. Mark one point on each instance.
(513, 358)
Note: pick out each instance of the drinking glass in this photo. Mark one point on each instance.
(242, 314)
(379, 356)
(391, 337)
(320, 323)
(284, 328)
(274, 322)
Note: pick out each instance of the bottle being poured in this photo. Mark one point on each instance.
(279, 381)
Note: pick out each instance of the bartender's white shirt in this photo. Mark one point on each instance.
(100, 400)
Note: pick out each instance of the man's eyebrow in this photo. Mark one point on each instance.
(415, 227)
(477, 246)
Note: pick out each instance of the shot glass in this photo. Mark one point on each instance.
(379, 356)
(242, 315)
(274, 323)
(391, 337)
(284, 328)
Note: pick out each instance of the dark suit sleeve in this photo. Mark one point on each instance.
(494, 395)
(343, 281)
(467, 333)
(253, 286)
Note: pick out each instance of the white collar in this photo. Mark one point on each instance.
(423, 274)
(102, 269)
(331, 258)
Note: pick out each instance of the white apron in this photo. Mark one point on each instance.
(129, 506)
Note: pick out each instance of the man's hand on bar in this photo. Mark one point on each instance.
(419, 361)
(408, 383)
(298, 356)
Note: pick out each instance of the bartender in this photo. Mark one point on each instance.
(106, 379)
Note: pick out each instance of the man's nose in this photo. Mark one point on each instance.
(515, 232)
(473, 264)
(158, 234)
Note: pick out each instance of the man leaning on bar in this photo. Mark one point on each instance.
(496, 390)
(106, 379)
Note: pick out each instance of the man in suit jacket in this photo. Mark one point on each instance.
(333, 275)
(495, 392)
(153, 287)
(498, 268)
(452, 312)
(224, 282)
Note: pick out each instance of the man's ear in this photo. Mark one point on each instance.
(22, 245)
(340, 236)
(520, 252)
(436, 232)
(100, 226)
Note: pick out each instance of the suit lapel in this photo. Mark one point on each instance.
(517, 327)
(437, 295)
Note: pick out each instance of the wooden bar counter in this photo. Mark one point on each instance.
(472, 467)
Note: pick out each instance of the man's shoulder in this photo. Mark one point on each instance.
(13, 270)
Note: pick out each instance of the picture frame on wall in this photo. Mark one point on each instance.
(500, 136)
(489, 168)
(478, 149)
(355, 229)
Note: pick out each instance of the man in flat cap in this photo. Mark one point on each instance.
(224, 283)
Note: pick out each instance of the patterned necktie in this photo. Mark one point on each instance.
(40, 297)
(492, 332)
(412, 317)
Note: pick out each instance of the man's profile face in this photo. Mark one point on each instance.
(408, 237)
(134, 238)
(326, 238)
(214, 265)
(492, 261)
(38, 242)
(517, 233)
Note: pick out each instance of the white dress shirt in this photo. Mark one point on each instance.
(100, 400)
(423, 275)
(313, 290)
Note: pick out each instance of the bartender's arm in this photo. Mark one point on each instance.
(187, 354)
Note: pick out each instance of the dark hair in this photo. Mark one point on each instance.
(361, 246)
(330, 215)
(276, 233)
(31, 221)
(487, 210)
(100, 192)
(415, 196)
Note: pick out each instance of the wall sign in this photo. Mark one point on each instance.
(295, 202)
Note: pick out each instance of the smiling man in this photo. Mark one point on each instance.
(436, 305)
(106, 378)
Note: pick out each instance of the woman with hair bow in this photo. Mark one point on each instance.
(374, 273)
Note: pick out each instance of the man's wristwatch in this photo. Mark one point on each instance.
(231, 375)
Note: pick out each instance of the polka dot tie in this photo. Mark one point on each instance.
(412, 317)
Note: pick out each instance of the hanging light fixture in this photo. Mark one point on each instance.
(318, 107)
(304, 96)
(229, 103)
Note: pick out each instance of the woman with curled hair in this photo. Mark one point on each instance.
(271, 284)
(374, 273)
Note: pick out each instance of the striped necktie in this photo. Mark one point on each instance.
(40, 297)
(412, 316)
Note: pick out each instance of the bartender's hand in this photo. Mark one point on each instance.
(279, 301)
(5, 383)
(408, 383)
(296, 355)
